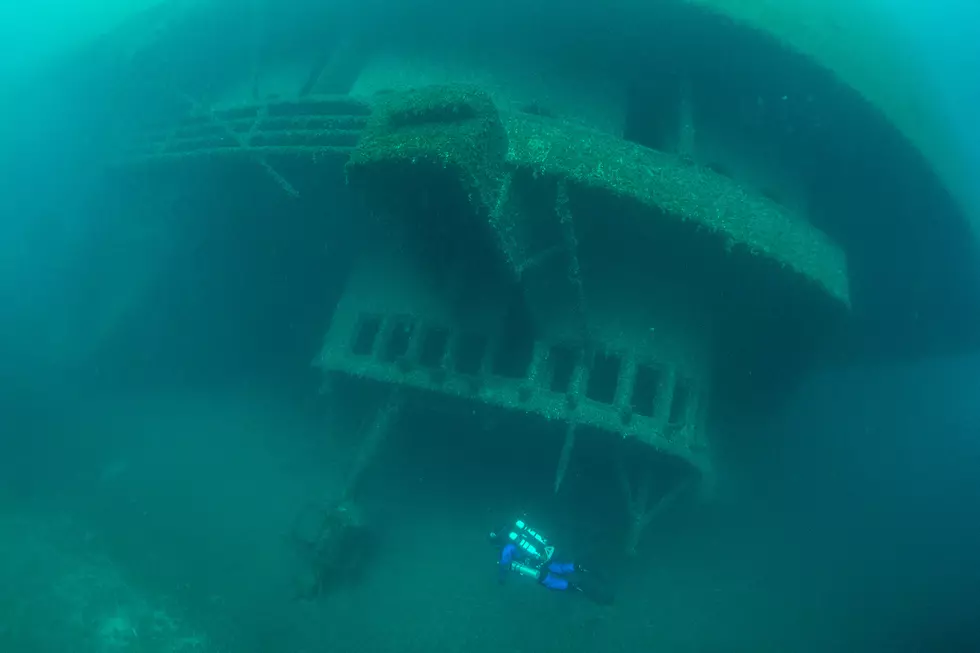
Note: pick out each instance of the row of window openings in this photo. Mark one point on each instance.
(390, 341)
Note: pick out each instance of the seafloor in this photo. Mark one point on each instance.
(162, 523)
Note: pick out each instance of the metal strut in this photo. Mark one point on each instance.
(638, 503)
(377, 433)
(243, 142)
(566, 455)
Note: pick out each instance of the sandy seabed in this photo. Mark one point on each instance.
(169, 531)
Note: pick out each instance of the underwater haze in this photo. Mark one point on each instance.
(301, 301)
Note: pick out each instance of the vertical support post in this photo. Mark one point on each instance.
(377, 433)
(576, 387)
(577, 384)
(636, 500)
(624, 388)
(415, 340)
(539, 358)
(504, 220)
(638, 503)
(570, 238)
(566, 454)
(665, 398)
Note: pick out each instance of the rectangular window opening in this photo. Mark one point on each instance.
(561, 361)
(511, 359)
(469, 353)
(604, 377)
(365, 334)
(513, 345)
(645, 389)
(399, 338)
(434, 344)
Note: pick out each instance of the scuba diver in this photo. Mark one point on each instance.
(527, 553)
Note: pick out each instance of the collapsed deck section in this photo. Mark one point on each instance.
(631, 270)
(560, 185)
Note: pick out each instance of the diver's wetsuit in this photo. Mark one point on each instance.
(525, 552)
(550, 572)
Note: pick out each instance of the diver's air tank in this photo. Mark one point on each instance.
(531, 542)
(526, 570)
